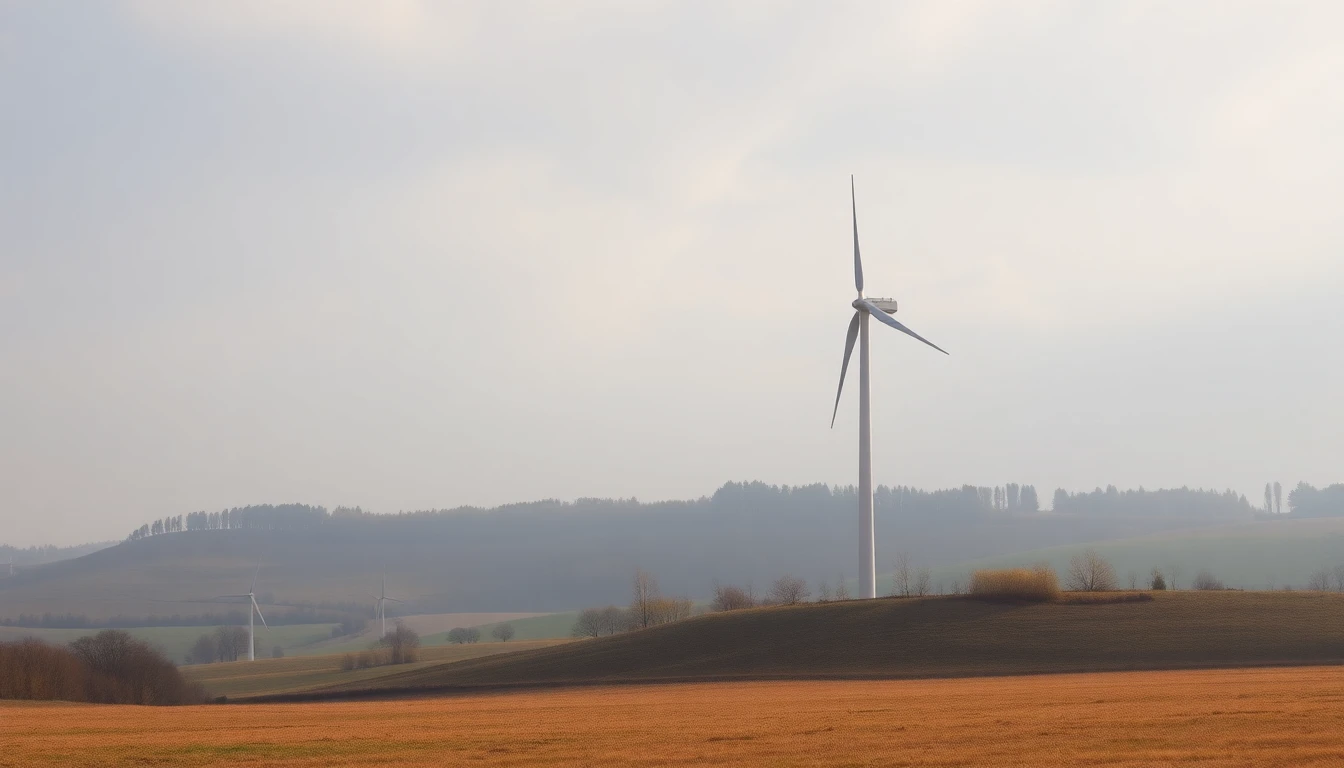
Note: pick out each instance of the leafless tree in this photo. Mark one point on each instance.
(614, 619)
(668, 609)
(1174, 572)
(402, 644)
(956, 586)
(841, 591)
(900, 576)
(1205, 580)
(823, 592)
(230, 642)
(502, 632)
(1090, 572)
(788, 590)
(589, 623)
(730, 598)
(646, 592)
(920, 585)
(1319, 581)
(1339, 578)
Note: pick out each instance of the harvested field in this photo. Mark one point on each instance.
(1213, 718)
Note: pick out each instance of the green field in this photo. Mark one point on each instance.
(300, 673)
(1257, 555)
(176, 641)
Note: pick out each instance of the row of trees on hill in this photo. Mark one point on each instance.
(1167, 502)
(299, 614)
(110, 667)
(260, 516)
(898, 501)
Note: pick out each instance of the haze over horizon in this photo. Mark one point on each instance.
(413, 256)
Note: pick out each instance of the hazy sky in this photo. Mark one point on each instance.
(409, 255)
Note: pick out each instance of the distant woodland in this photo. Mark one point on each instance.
(555, 556)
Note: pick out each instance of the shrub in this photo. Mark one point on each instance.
(730, 598)
(1157, 582)
(108, 668)
(1036, 585)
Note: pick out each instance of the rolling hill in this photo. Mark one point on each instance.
(929, 637)
(1257, 555)
(555, 556)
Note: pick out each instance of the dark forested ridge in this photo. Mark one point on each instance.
(554, 555)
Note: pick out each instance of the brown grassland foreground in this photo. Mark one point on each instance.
(1245, 717)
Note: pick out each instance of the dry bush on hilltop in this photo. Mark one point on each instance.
(110, 667)
(1037, 584)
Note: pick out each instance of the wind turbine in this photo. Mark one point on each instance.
(381, 604)
(882, 309)
(252, 608)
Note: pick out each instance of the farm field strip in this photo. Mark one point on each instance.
(1224, 718)
(290, 674)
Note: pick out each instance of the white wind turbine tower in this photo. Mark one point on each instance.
(381, 604)
(252, 609)
(882, 309)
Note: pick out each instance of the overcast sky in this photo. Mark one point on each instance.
(411, 254)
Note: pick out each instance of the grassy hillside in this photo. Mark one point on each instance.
(175, 641)
(1254, 555)
(931, 637)
(270, 676)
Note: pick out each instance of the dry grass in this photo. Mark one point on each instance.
(1215, 719)
(1035, 585)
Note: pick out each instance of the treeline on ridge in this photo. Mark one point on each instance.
(294, 615)
(898, 501)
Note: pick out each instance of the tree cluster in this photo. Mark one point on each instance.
(1308, 501)
(463, 635)
(1167, 502)
(259, 517)
(110, 667)
(402, 644)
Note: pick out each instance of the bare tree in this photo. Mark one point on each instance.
(788, 590)
(956, 586)
(502, 632)
(1207, 581)
(920, 585)
(403, 644)
(646, 592)
(1339, 578)
(1174, 571)
(1133, 579)
(589, 623)
(669, 609)
(1319, 580)
(900, 576)
(730, 598)
(841, 591)
(1089, 572)
(823, 592)
(614, 619)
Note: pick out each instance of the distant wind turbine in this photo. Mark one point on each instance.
(381, 605)
(252, 608)
(882, 309)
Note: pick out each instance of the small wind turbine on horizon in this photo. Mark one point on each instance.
(252, 609)
(381, 605)
(882, 309)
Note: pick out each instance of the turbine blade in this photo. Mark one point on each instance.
(393, 600)
(858, 263)
(884, 318)
(850, 336)
(258, 610)
(254, 579)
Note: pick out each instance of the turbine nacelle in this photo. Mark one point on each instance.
(886, 305)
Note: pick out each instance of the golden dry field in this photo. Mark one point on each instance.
(1211, 718)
